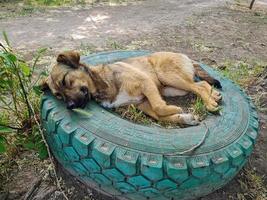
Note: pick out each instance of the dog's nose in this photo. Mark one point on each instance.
(70, 104)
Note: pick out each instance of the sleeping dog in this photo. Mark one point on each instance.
(140, 80)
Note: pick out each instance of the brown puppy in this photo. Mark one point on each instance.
(140, 80)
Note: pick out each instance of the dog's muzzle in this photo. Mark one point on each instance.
(71, 104)
(80, 102)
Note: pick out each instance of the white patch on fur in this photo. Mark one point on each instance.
(106, 104)
(188, 65)
(173, 92)
(122, 99)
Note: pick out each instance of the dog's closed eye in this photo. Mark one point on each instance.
(63, 82)
(58, 95)
(66, 82)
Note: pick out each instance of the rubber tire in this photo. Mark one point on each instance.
(123, 160)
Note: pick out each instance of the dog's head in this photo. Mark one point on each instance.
(70, 80)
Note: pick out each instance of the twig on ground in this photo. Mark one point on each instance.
(45, 193)
(36, 183)
(251, 4)
(49, 154)
(93, 21)
(193, 148)
(11, 127)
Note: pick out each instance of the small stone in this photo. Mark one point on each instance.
(178, 164)
(153, 161)
(3, 195)
(104, 147)
(246, 143)
(83, 137)
(235, 152)
(222, 67)
(200, 163)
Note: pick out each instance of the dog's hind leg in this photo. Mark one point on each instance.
(172, 92)
(203, 75)
(183, 118)
(204, 90)
(158, 105)
(178, 71)
(210, 96)
(147, 109)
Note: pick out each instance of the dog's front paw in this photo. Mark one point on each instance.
(189, 119)
(212, 106)
(216, 95)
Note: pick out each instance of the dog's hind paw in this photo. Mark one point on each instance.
(189, 119)
(216, 95)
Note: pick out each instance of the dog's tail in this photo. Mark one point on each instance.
(203, 75)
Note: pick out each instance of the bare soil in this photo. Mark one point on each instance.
(212, 32)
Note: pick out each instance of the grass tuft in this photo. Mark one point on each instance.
(252, 185)
(242, 72)
(131, 113)
(199, 109)
(189, 103)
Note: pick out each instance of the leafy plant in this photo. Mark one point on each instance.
(19, 101)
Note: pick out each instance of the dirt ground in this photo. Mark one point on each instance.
(214, 32)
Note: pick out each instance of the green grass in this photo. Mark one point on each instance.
(199, 109)
(20, 8)
(54, 2)
(64, 2)
(87, 48)
(19, 108)
(249, 75)
(114, 45)
(15, 11)
(134, 115)
(19, 102)
(200, 47)
(252, 185)
(242, 72)
(189, 103)
(131, 113)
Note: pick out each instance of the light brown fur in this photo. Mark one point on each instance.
(143, 77)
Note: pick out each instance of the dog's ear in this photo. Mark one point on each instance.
(98, 81)
(69, 58)
(100, 84)
(96, 78)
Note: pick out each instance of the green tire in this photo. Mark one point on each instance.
(123, 160)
